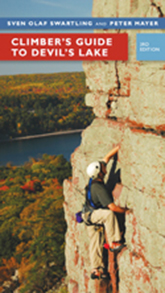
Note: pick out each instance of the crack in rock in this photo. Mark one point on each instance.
(117, 77)
(161, 14)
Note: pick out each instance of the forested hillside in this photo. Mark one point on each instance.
(32, 225)
(42, 103)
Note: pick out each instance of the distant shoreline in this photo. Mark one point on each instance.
(43, 135)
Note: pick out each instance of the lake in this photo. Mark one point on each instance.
(18, 152)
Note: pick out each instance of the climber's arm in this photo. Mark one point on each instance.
(110, 154)
(117, 209)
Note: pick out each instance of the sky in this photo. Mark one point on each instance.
(42, 8)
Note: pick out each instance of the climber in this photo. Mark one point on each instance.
(101, 213)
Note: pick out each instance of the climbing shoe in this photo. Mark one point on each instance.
(116, 246)
(95, 274)
(99, 274)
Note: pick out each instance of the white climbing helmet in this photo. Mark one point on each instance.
(93, 170)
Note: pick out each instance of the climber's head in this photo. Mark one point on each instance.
(96, 170)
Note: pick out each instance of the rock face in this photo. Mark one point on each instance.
(128, 101)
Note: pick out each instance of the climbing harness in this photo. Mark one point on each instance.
(88, 208)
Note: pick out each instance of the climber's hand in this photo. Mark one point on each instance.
(128, 211)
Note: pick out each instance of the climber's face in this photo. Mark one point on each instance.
(104, 170)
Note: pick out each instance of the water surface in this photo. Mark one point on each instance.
(20, 151)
